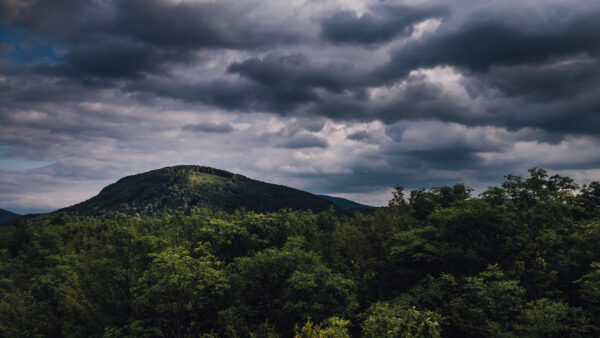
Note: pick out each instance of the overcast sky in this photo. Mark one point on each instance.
(343, 97)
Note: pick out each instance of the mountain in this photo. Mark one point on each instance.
(181, 188)
(347, 204)
(6, 216)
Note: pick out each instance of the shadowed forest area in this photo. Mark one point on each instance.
(520, 259)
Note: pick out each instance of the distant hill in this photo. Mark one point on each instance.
(347, 204)
(181, 188)
(6, 216)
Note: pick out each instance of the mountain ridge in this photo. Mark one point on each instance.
(6, 216)
(347, 204)
(183, 187)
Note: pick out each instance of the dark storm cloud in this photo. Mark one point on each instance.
(372, 94)
(228, 94)
(360, 135)
(55, 17)
(183, 25)
(26, 89)
(300, 141)
(198, 25)
(447, 159)
(528, 48)
(559, 96)
(313, 125)
(383, 24)
(419, 99)
(281, 84)
(498, 52)
(487, 39)
(296, 71)
(128, 59)
(209, 127)
(544, 82)
(127, 39)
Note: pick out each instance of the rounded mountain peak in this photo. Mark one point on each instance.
(184, 187)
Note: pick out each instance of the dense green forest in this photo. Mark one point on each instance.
(521, 259)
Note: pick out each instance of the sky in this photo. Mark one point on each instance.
(342, 97)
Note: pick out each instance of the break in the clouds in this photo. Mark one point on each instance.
(343, 97)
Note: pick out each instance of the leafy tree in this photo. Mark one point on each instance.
(179, 294)
(487, 305)
(590, 285)
(589, 291)
(333, 327)
(547, 318)
(384, 319)
(424, 202)
(590, 200)
(288, 286)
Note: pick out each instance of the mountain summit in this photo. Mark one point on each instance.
(183, 187)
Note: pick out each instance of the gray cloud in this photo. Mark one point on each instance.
(124, 39)
(312, 125)
(489, 38)
(305, 141)
(383, 24)
(361, 135)
(296, 72)
(209, 127)
(330, 96)
(199, 24)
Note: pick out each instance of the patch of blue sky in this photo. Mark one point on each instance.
(25, 48)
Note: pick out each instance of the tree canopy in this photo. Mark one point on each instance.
(520, 259)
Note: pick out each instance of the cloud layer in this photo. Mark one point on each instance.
(346, 97)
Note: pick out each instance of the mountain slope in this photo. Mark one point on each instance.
(182, 188)
(347, 204)
(6, 216)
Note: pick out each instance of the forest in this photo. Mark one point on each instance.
(519, 260)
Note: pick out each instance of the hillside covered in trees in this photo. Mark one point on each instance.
(184, 187)
(6, 216)
(348, 204)
(521, 259)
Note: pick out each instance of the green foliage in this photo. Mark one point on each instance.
(487, 305)
(590, 199)
(547, 318)
(334, 328)
(288, 286)
(590, 285)
(383, 319)
(179, 293)
(145, 258)
(423, 202)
